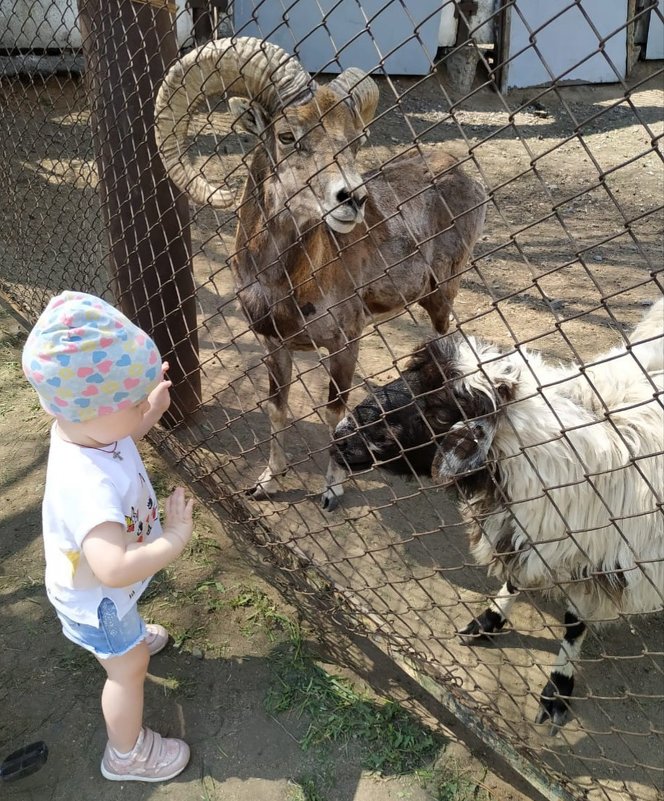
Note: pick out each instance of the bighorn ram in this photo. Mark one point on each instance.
(321, 250)
(560, 471)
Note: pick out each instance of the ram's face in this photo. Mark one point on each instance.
(316, 164)
(398, 424)
(312, 151)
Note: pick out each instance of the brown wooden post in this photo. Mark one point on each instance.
(128, 46)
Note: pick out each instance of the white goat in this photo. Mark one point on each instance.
(560, 470)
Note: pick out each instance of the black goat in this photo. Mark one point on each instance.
(396, 426)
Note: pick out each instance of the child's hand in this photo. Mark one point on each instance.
(160, 398)
(158, 401)
(178, 523)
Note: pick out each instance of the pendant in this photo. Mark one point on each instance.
(117, 455)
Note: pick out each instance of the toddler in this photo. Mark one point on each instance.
(103, 381)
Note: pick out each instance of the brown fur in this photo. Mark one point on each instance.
(302, 284)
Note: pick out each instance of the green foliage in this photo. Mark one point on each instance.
(310, 787)
(448, 782)
(387, 738)
(262, 613)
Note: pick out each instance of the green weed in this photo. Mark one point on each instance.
(451, 783)
(172, 685)
(208, 595)
(182, 636)
(203, 549)
(262, 613)
(307, 788)
(387, 739)
(206, 793)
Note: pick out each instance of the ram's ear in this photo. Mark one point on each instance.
(247, 116)
(463, 449)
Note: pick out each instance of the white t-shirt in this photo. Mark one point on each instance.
(84, 488)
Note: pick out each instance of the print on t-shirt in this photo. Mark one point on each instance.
(139, 522)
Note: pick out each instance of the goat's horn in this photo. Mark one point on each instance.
(245, 66)
(361, 88)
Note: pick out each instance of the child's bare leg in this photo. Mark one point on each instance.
(134, 752)
(122, 697)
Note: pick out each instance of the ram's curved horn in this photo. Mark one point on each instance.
(361, 88)
(245, 66)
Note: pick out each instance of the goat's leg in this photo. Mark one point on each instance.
(559, 688)
(279, 363)
(493, 618)
(341, 368)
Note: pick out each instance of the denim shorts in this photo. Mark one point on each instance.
(114, 637)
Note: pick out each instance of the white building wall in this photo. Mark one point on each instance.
(52, 25)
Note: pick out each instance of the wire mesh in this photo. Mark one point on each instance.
(556, 109)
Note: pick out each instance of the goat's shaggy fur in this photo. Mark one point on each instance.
(560, 470)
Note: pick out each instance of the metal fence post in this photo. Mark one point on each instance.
(128, 45)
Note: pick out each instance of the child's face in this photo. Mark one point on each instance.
(111, 427)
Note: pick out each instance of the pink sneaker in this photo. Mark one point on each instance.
(156, 638)
(153, 759)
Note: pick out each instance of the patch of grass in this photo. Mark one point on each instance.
(208, 595)
(386, 738)
(77, 660)
(172, 685)
(202, 549)
(181, 636)
(162, 481)
(309, 787)
(452, 783)
(157, 590)
(262, 613)
(206, 793)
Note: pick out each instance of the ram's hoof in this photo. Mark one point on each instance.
(257, 493)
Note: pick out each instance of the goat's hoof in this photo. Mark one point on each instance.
(482, 627)
(329, 500)
(472, 632)
(553, 702)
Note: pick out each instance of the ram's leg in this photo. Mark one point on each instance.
(559, 688)
(493, 618)
(438, 304)
(279, 363)
(341, 368)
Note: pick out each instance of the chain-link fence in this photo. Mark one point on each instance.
(347, 259)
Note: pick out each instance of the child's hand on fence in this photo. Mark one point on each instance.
(178, 522)
(160, 398)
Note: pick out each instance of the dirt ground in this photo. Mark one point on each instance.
(572, 246)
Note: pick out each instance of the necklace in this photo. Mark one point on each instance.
(115, 453)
